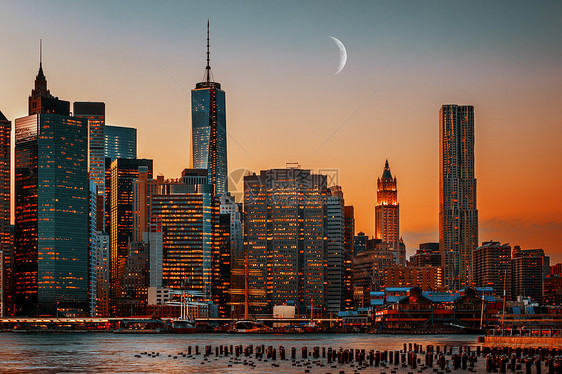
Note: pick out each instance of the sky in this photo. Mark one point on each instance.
(277, 63)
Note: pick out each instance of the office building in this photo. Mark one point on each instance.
(208, 129)
(491, 266)
(120, 142)
(99, 275)
(5, 241)
(51, 185)
(387, 211)
(349, 234)
(122, 172)
(143, 188)
(284, 235)
(135, 281)
(334, 256)
(184, 212)
(94, 113)
(458, 216)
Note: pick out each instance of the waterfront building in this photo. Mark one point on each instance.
(527, 273)
(94, 113)
(121, 174)
(491, 266)
(51, 207)
(334, 256)
(556, 269)
(5, 242)
(428, 254)
(349, 235)
(284, 235)
(120, 142)
(387, 211)
(208, 129)
(458, 216)
(427, 278)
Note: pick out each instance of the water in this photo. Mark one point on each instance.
(115, 353)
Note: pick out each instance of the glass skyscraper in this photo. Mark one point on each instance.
(51, 235)
(208, 129)
(120, 142)
(458, 216)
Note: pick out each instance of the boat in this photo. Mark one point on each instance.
(249, 327)
(183, 326)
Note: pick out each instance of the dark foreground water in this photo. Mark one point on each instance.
(114, 353)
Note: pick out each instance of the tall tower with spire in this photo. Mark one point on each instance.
(208, 128)
(51, 207)
(387, 212)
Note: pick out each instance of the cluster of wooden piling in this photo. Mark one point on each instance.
(412, 358)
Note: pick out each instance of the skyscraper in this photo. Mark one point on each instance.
(458, 216)
(51, 183)
(284, 232)
(208, 129)
(143, 189)
(94, 112)
(120, 142)
(387, 212)
(185, 212)
(122, 173)
(334, 255)
(349, 234)
(5, 241)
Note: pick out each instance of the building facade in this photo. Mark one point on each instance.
(284, 236)
(334, 257)
(387, 220)
(428, 254)
(458, 216)
(122, 172)
(51, 185)
(427, 278)
(5, 209)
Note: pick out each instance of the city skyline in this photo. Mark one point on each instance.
(506, 214)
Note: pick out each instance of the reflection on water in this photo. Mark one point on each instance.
(112, 353)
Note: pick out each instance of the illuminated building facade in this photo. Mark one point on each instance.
(428, 278)
(208, 129)
(334, 256)
(458, 216)
(135, 281)
(372, 258)
(387, 217)
(284, 235)
(94, 112)
(143, 189)
(122, 172)
(51, 184)
(120, 142)
(349, 234)
(5, 240)
(99, 272)
(186, 211)
(491, 266)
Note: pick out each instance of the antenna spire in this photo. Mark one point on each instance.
(40, 52)
(208, 68)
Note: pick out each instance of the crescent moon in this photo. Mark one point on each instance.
(343, 54)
